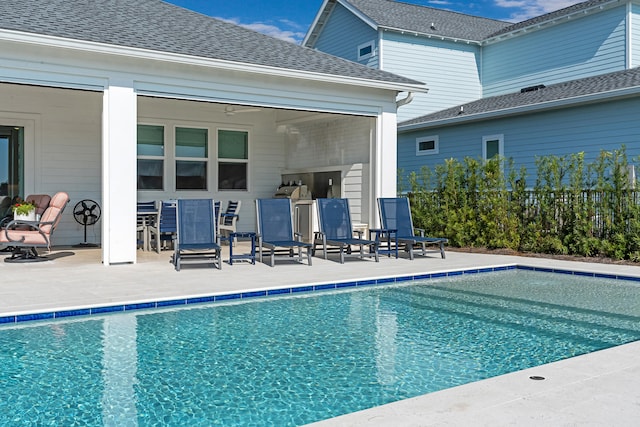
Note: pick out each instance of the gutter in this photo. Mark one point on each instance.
(524, 109)
(153, 55)
(405, 101)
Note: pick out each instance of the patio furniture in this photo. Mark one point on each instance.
(26, 236)
(395, 214)
(40, 200)
(163, 230)
(196, 234)
(336, 230)
(242, 235)
(146, 217)
(275, 231)
(388, 236)
(229, 218)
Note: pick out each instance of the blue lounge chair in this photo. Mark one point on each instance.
(395, 214)
(336, 230)
(197, 233)
(275, 231)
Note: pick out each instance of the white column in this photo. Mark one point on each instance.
(119, 129)
(385, 165)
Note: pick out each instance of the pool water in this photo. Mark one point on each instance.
(289, 361)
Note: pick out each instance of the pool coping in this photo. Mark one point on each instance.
(101, 309)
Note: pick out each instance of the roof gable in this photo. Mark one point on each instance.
(162, 27)
(393, 15)
(502, 105)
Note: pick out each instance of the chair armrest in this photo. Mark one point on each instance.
(13, 228)
(358, 233)
(420, 231)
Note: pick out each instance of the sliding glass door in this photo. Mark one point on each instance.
(11, 166)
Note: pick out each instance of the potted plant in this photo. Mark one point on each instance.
(24, 211)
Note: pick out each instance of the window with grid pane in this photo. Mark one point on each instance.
(233, 159)
(191, 158)
(150, 161)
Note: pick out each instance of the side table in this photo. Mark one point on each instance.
(381, 235)
(240, 235)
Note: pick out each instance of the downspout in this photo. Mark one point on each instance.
(405, 101)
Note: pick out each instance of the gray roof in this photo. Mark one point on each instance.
(553, 15)
(159, 26)
(411, 17)
(504, 104)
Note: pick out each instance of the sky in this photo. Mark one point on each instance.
(290, 19)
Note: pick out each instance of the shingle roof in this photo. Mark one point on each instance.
(557, 92)
(551, 16)
(411, 17)
(159, 26)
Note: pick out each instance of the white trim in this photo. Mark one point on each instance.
(539, 25)
(524, 109)
(364, 18)
(489, 138)
(629, 33)
(431, 138)
(147, 54)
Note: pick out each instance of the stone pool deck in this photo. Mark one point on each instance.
(598, 389)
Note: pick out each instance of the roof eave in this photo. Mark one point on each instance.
(431, 35)
(524, 109)
(553, 21)
(153, 55)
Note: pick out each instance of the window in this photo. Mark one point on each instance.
(492, 146)
(191, 158)
(150, 150)
(233, 159)
(426, 146)
(366, 50)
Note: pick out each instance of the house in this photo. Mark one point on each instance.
(559, 83)
(435, 46)
(118, 101)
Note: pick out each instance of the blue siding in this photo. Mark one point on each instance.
(588, 128)
(342, 35)
(450, 70)
(635, 36)
(580, 47)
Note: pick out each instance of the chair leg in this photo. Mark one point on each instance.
(309, 256)
(442, 250)
(410, 247)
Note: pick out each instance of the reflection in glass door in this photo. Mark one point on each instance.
(11, 166)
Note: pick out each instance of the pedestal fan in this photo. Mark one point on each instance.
(86, 212)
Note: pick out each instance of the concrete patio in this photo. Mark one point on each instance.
(596, 389)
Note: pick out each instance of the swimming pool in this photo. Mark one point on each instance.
(294, 360)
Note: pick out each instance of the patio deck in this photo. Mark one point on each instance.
(596, 389)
